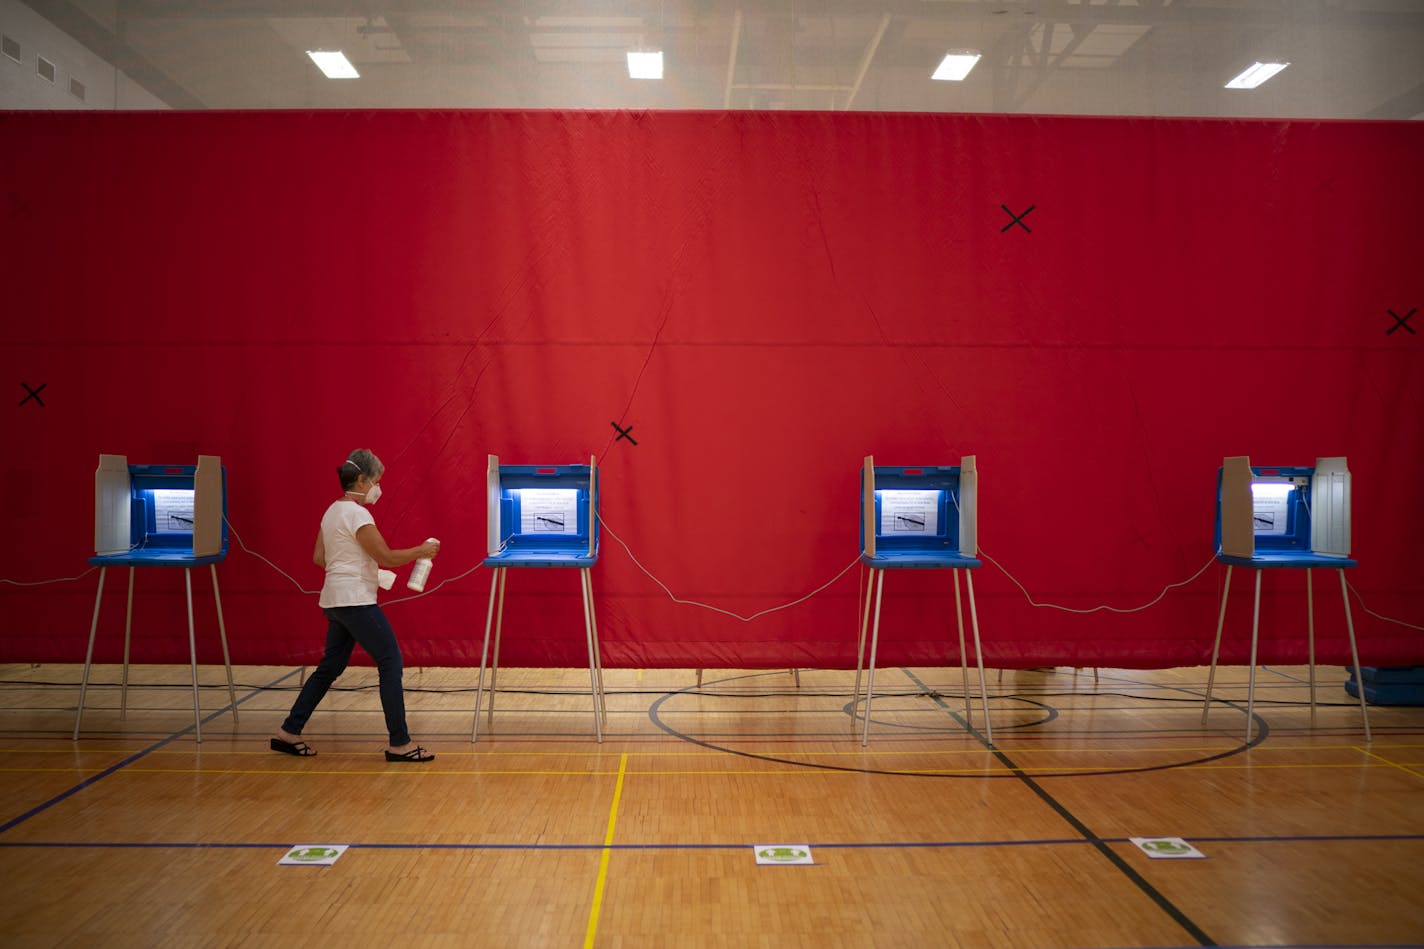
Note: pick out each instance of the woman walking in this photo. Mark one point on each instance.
(351, 551)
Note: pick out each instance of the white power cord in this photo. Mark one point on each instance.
(248, 550)
(1387, 619)
(718, 609)
(40, 583)
(1096, 609)
(415, 596)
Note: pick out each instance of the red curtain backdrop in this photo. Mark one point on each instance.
(1099, 309)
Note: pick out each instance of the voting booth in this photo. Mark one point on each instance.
(159, 516)
(1283, 518)
(919, 518)
(541, 516)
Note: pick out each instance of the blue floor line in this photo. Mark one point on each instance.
(884, 845)
(65, 795)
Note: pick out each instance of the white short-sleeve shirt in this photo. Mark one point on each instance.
(350, 571)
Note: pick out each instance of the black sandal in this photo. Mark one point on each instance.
(416, 755)
(299, 748)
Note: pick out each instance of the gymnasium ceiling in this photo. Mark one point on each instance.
(1348, 58)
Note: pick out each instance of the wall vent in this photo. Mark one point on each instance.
(10, 47)
(44, 69)
(76, 88)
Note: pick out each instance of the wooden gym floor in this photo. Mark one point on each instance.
(137, 835)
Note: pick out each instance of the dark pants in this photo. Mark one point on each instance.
(347, 626)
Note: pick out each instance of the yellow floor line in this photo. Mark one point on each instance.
(603, 860)
(1394, 764)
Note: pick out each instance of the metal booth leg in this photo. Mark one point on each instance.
(128, 628)
(587, 590)
(860, 649)
(494, 660)
(979, 654)
(963, 654)
(1355, 655)
(89, 655)
(193, 652)
(1216, 647)
(222, 635)
(1251, 679)
(484, 654)
(1310, 637)
(874, 642)
(597, 647)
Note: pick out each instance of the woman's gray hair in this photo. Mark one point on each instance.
(360, 462)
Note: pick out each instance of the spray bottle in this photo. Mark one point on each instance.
(421, 573)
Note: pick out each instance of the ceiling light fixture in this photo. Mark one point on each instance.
(334, 65)
(956, 65)
(1255, 74)
(645, 65)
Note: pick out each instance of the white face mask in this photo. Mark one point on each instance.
(372, 495)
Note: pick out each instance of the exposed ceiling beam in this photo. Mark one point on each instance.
(732, 59)
(865, 59)
(1046, 62)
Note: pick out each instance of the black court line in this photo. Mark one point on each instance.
(1101, 845)
(65, 795)
(654, 714)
